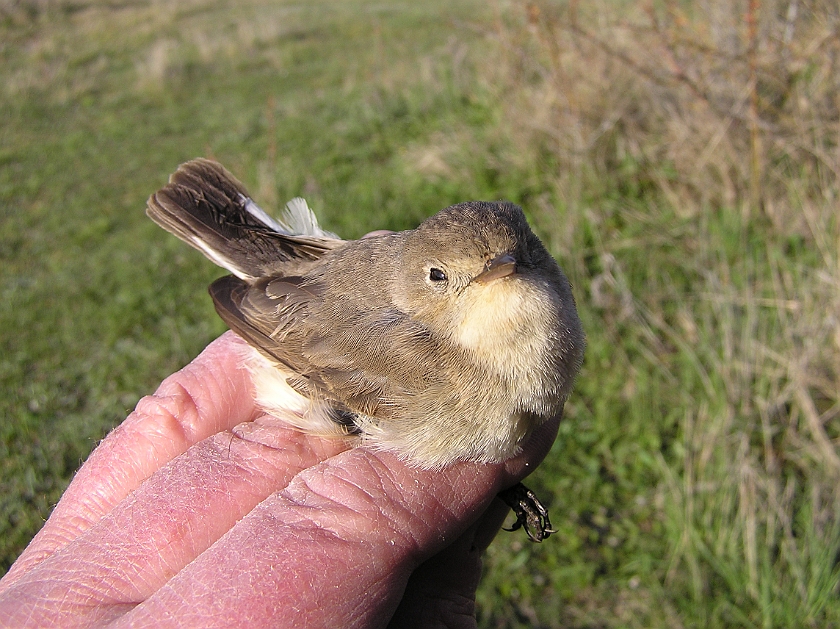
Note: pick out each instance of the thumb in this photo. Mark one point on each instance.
(441, 591)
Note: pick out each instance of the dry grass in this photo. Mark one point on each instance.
(736, 99)
(691, 157)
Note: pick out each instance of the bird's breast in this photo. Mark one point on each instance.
(507, 326)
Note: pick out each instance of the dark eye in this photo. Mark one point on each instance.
(436, 275)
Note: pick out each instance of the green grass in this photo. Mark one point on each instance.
(98, 304)
(695, 481)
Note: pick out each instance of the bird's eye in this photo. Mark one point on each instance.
(436, 275)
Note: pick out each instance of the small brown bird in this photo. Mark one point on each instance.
(451, 341)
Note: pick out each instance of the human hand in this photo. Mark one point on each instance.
(198, 510)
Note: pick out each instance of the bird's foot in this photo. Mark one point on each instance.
(530, 512)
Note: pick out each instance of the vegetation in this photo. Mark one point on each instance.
(680, 161)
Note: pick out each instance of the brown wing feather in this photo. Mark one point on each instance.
(355, 365)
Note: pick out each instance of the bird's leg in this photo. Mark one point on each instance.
(530, 512)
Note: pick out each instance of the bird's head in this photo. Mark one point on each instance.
(476, 274)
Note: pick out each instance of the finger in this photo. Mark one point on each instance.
(441, 592)
(191, 503)
(377, 233)
(334, 548)
(533, 452)
(210, 394)
(342, 546)
(161, 527)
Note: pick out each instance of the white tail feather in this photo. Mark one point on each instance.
(302, 221)
(257, 212)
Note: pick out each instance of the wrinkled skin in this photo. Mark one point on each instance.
(199, 511)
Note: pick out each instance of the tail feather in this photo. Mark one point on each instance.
(206, 207)
(301, 220)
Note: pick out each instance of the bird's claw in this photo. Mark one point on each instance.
(530, 512)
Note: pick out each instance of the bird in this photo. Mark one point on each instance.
(451, 341)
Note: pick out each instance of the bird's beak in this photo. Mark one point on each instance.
(499, 267)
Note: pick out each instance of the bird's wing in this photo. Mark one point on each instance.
(364, 361)
(208, 208)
